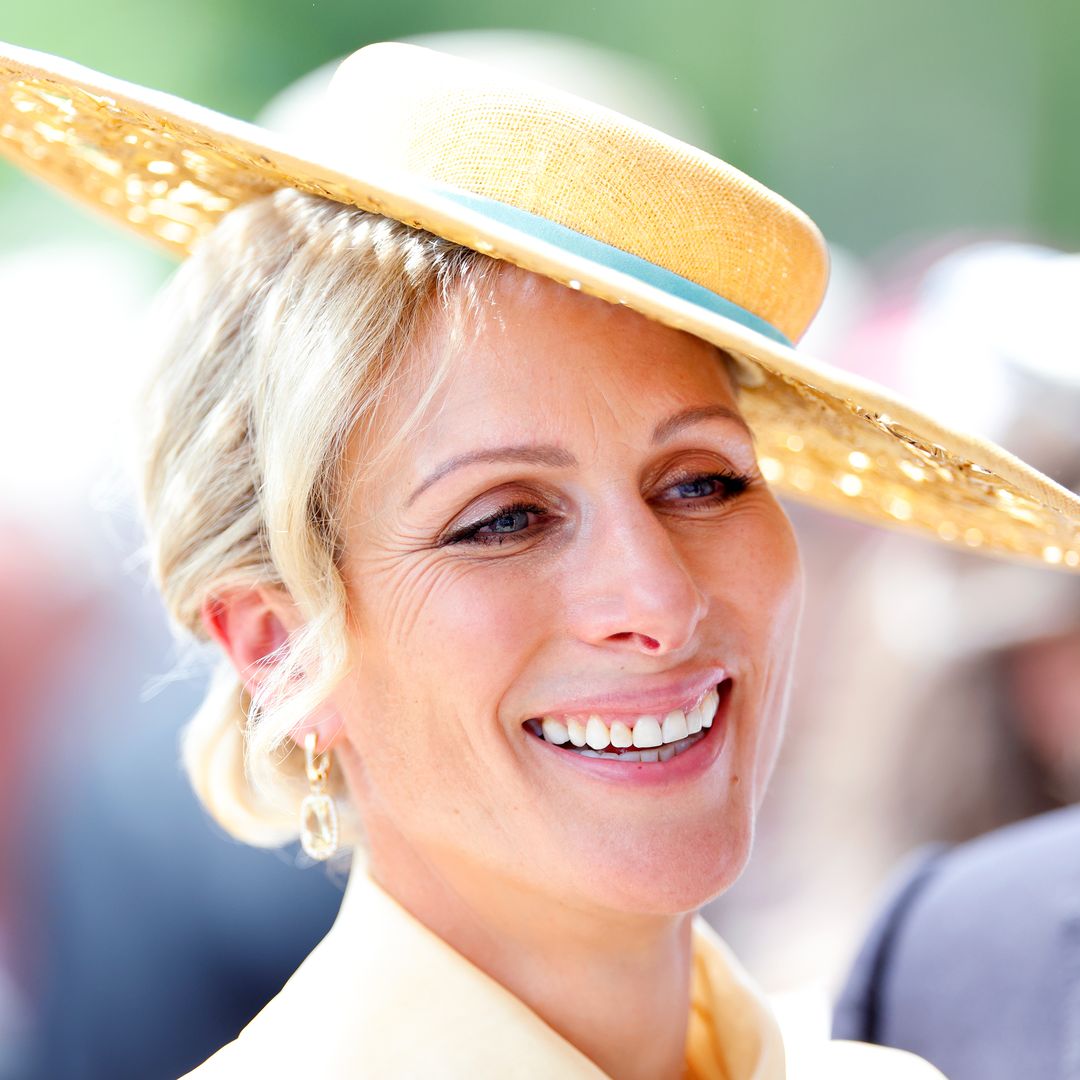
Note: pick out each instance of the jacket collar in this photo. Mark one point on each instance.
(382, 995)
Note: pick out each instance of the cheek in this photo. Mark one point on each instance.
(446, 612)
(777, 603)
(757, 585)
(471, 632)
(778, 576)
(434, 664)
(753, 570)
(437, 647)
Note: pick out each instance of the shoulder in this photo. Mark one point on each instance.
(856, 1015)
(936, 967)
(1028, 861)
(1018, 860)
(947, 901)
(955, 898)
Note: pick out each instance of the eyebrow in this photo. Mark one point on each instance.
(557, 457)
(694, 415)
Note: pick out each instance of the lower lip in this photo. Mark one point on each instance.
(687, 766)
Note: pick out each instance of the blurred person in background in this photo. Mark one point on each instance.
(155, 940)
(971, 961)
(67, 651)
(999, 688)
(112, 873)
(47, 613)
(918, 636)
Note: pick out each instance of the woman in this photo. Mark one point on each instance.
(505, 599)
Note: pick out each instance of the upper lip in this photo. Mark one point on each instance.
(657, 696)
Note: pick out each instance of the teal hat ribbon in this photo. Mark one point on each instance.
(577, 243)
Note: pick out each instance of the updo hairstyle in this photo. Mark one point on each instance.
(275, 340)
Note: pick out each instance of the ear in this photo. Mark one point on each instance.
(249, 624)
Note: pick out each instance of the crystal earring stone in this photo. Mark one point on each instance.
(318, 814)
(319, 826)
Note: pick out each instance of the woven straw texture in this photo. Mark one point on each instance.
(170, 170)
(588, 168)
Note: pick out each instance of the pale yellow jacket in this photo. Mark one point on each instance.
(381, 996)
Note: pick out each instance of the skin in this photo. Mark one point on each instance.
(576, 895)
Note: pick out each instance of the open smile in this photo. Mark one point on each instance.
(648, 739)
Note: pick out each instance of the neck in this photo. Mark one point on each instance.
(615, 985)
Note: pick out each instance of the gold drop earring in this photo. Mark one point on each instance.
(318, 814)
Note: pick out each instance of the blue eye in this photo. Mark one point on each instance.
(509, 521)
(697, 487)
(514, 520)
(714, 487)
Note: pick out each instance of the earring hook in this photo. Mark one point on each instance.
(317, 770)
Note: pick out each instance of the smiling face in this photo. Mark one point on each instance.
(621, 559)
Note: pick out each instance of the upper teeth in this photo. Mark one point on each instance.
(640, 731)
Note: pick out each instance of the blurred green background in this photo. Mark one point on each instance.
(888, 123)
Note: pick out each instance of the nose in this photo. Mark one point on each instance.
(635, 591)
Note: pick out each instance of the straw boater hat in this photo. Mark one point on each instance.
(580, 194)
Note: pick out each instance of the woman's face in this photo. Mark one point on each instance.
(579, 529)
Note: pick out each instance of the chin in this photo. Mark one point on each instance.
(670, 874)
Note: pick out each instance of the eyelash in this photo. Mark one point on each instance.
(731, 484)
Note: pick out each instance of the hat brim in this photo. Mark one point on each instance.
(170, 169)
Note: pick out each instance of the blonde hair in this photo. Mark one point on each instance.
(275, 341)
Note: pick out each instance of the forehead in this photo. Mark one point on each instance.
(543, 359)
(529, 361)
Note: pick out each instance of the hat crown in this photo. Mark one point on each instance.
(467, 126)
